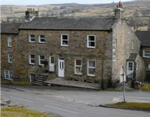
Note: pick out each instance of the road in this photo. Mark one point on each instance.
(75, 103)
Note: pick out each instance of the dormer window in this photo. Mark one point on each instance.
(91, 41)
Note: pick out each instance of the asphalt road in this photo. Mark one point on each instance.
(75, 103)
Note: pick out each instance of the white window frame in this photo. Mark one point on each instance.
(148, 66)
(91, 41)
(90, 67)
(144, 54)
(41, 59)
(30, 38)
(9, 41)
(75, 65)
(62, 39)
(30, 77)
(41, 38)
(10, 58)
(31, 59)
(9, 74)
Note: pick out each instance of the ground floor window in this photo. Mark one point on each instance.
(91, 64)
(8, 74)
(41, 60)
(32, 77)
(78, 66)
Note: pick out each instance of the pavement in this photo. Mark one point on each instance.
(74, 102)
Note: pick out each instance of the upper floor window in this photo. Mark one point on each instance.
(91, 65)
(64, 40)
(78, 66)
(132, 45)
(10, 57)
(31, 38)
(42, 39)
(146, 53)
(8, 74)
(9, 42)
(91, 41)
(41, 60)
(32, 59)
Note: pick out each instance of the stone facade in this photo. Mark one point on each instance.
(77, 48)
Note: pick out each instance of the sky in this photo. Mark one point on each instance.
(41, 2)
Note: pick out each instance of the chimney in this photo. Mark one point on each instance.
(30, 14)
(119, 11)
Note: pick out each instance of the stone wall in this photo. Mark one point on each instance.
(77, 48)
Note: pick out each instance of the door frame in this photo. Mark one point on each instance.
(61, 59)
(128, 67)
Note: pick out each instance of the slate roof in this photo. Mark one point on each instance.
(144, 36)
(10, 28)
(55, 23)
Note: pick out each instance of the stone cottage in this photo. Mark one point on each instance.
(84, 49)
(144, 36)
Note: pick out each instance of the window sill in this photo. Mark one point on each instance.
(78, 74)
(9, 79)
(41, 42)
(64, 45)
(31, 64)
(146, 57)
(91, 47)
(31, 41)
(90, 75)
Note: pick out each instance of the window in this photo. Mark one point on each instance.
(91, 67)
(148, 66)
(31, 59)
(52, 64)
(42, 39)
(132, 45)
(9, 42)
(64, 40)
(31, 38)
(130, 66)
(91, 41)
(8, 75)
(78, 67)
(41, 60)
(146, 53)
(137, 65)
(9, 57)
(32, 77)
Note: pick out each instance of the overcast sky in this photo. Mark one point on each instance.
(40, 2)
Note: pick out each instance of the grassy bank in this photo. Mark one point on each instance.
(16, 83)
(21, 112)
(131, 105)
(146, 87)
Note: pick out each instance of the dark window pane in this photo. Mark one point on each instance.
(32, 36)
(42, 40)
(91, 38)
(78, 69)
(41, 57)
(32, 56)
(32, 39)
(32, 61)
(92, 63)
(65, 36)
(42, 62)
(91, 71)
(78, 62)
(92, 44)
(52, 59)
(42, 36)
(65, 42)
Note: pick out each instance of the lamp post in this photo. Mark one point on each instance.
(123, 74)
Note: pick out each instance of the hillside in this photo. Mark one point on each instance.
(138, 11)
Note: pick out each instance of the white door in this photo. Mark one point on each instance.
(61, 67)
(130, 69)
(51, 64)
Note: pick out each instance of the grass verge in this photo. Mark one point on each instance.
(21, 112)
(16, 83)
(131, 105)
(146, 87)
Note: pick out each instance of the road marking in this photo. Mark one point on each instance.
(61, 109)
(21, 99)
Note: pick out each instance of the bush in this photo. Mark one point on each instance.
(21, 83)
